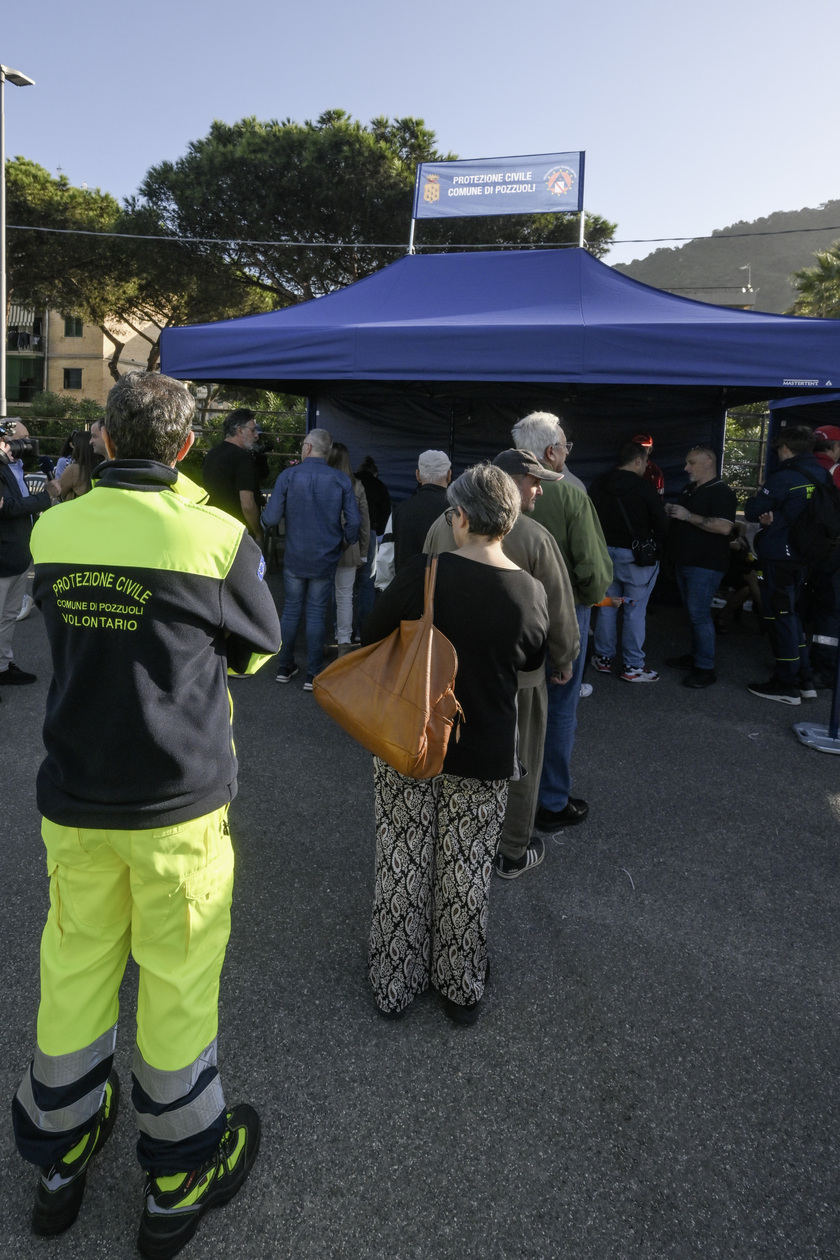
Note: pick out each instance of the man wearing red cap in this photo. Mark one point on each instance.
(827, 450)
(653, 473)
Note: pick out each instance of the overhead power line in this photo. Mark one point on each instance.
(219, 240)
(197, 240)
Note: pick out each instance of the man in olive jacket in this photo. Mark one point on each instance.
(568, 515)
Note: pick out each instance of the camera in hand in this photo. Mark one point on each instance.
(18, 447)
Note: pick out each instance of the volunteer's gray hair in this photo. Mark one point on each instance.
(149, 416)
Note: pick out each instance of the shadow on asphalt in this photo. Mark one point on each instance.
(655, 1071)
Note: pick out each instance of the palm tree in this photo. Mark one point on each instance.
(818, 287)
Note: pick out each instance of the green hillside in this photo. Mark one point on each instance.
(708, 270)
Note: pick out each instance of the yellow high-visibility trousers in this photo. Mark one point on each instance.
(165, 895)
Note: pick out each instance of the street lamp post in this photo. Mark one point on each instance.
(19, 80)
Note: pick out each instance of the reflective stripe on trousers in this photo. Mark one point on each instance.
(58, 1098)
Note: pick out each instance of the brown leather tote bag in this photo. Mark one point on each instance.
(396, 697)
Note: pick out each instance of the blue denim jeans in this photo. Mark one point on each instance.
(314, 593)
(698, 588)
(635, 582)
(556, 780)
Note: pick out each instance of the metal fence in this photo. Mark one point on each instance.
(745, 451)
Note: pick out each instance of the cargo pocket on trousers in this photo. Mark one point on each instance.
(55, 896)
(208, 894)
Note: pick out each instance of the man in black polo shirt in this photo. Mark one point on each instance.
(414, 517)
(229, 473)
(411, 520)
(701, 522)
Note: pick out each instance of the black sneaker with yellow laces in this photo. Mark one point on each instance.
(174, 1205)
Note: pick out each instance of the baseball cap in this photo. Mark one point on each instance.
(828, 433)
(644, 439)
(432, 465)
(519, 463)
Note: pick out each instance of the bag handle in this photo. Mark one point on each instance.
(429, 587)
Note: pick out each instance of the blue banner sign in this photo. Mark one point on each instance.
(542, 183)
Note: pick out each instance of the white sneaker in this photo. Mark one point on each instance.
(26, 608)
(640, 675)
(585, 690)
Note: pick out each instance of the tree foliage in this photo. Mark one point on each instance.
(313, 185)
(50, 406)
(122, 286)
(329, 190)
(818, 287)
(73, 274)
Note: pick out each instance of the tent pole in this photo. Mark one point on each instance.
(411, 238)
(582, 226)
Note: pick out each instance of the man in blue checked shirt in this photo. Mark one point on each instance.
(319, 507)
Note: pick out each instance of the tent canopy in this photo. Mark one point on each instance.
(534, 316)
(446, 349)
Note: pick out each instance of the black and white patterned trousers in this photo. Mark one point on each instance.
(435, 844)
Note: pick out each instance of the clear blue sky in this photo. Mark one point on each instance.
(692, 117)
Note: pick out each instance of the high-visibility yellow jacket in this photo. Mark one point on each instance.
(148, 597)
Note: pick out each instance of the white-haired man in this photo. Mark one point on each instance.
(568, 515)
(561, 449)
(412, 519)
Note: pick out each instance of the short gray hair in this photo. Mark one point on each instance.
(149, 416)
(320, 440)
(488, 497)
(536, 431)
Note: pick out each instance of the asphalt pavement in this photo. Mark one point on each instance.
(655, 1070)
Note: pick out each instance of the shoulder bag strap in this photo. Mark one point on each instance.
(429, 590)
(623, 512)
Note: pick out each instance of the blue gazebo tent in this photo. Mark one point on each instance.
(448, 350)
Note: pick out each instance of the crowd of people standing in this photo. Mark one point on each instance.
(135, 812)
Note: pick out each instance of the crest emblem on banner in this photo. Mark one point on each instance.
(560, 180)
(431, 189)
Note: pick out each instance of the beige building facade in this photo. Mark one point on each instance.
(46, 351)
(77, 356)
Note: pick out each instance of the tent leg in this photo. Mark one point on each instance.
(824, 738)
